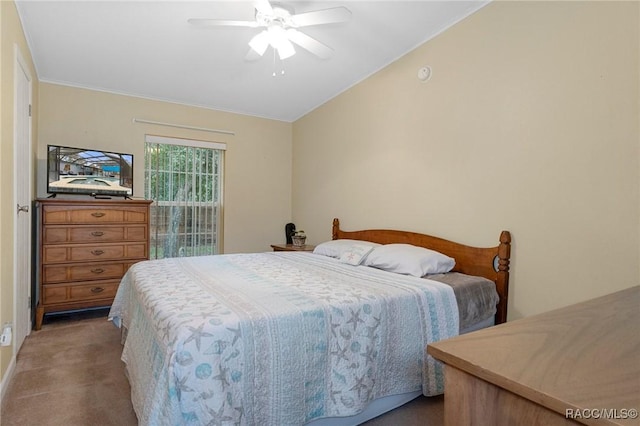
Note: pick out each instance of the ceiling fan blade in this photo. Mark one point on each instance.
(309, 43)
(203, 22)
(325, 16)
(263, 6)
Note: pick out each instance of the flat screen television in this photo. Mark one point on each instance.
(88, 171)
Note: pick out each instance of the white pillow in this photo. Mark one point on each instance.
(355, 254)
(409, 260)
(335, 248)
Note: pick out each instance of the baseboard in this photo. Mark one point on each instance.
(6, 378)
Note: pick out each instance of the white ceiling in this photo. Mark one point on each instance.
(148, 49)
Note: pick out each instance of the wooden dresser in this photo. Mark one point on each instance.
(84, 249)
(575, 365)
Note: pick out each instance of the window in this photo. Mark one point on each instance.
(184, 179)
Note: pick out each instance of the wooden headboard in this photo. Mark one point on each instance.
(490, 262)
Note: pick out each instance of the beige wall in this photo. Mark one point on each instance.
(11, 37)
(529, 123)
(257, 186)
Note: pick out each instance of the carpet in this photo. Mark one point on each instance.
(70, 373)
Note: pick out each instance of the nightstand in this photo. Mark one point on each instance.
(291, 247)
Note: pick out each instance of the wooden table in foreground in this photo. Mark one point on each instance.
(575, 365)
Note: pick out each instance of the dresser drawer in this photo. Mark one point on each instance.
(64, 293)
(83, 253)
(82, 272)
(93, 215)
(93, 234)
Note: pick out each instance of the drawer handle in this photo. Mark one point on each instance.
(97, 233)
(97, 290)
(97, 214)
(97, 270)
(97, 252)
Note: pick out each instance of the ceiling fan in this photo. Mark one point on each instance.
(280, 28)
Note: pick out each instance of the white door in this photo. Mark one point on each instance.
(22, 201)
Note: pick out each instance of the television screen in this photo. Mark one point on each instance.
(88, 171)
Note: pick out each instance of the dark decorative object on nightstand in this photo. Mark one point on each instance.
(289, 230)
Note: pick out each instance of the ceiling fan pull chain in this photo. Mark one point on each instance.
(274, 74)
(274, 63)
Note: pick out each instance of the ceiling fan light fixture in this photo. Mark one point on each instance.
(285, 49)
(260, 42)
(279, 40)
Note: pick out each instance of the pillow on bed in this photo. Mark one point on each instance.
(335, 248)
(409, 260)
(356, 253)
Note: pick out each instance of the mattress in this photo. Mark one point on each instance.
(476, 297)
(275, 338)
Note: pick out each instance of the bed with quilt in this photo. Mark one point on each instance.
(336, 336)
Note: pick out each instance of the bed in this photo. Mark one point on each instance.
(290, 338)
